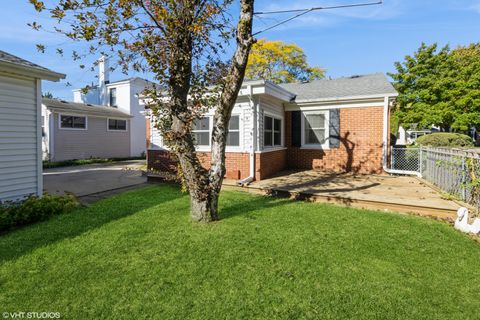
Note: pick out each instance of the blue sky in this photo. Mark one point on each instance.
(345, 42)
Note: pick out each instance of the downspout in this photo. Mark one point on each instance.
(251, 177)
(386, 110)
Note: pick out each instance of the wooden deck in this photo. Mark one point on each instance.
(377, 192)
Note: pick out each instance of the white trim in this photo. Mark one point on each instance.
(272, 149)
(282, 130)
(31, 72)
(324, 146)
(117, 130)
(347, 98)
(330, 105)
(72, 115)
(38, 108)
(51, 135)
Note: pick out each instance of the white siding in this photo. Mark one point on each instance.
(242, 109)
(19, 167)
(95, 142)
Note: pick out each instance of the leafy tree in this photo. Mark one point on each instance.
(280, 62)
(173, 40)
(439, 87)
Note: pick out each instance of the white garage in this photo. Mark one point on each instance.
(21, 126)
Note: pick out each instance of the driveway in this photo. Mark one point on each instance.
(93, 179)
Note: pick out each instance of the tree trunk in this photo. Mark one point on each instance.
(204, 186)
(232, 86)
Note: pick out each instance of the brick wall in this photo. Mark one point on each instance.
(269, 163)
(361, 135)
(237, 164)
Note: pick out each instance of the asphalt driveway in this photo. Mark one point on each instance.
(93, 179)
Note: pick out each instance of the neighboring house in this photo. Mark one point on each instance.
(82, 131)
(335, 125)
(409, 136)
(20, 126)
(122, 95)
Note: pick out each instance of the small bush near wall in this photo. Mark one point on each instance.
(34, 209)
(453, 140)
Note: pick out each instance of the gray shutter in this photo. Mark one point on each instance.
(334, 128)
(296, 129)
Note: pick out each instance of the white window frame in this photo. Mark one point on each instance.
(239, 130)
(117, 130)
(274, 117)
(325, 145)
(60, 115)
(210, 128)
(110, 97)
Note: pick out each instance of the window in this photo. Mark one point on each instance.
(113, 97)
(201, 132)
(233, 139)
(315, 125)
(117, 125)
(73, 122)
(272, 132)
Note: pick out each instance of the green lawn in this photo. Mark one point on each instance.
(138, 256)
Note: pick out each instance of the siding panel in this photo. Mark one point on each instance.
(18, 137)
(95, 142)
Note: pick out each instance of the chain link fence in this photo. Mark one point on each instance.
(456, 172)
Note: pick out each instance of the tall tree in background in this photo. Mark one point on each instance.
(280, 62)
(439, 87)
(172, 39)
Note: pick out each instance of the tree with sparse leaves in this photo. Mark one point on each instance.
(439, 87)
(280, 62)
(182, 42)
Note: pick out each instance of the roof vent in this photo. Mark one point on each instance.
(88, 104)
(355, 76)
(305, 81)
(63, 101)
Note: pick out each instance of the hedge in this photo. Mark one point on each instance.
(443, 139)
(34, 209)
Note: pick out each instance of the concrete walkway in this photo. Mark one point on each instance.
(378, 192)
(92, 179)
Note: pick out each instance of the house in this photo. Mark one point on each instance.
(20, 126)
(81, 131)
(339, 125)
(122, 95)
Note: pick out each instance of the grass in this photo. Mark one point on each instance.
(138, 256)
(80, 162)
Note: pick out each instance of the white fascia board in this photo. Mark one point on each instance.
(366, 101)
(348, 98)
(31, 72)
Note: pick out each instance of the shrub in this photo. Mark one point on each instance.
(34, 209)
(453, 140)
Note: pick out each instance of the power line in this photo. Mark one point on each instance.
(305, 11)
(320, 8)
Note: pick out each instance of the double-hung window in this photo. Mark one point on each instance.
(73, 122)
(113, 97)
(117, 125)
(233, 139)
(201, 132)
(315, 128)
(272, 132)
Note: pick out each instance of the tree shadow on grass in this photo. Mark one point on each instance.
(246, 208)
(20, 242)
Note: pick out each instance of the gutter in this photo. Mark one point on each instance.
(251, 177)
(386, 109)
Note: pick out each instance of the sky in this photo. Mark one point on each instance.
(351, 41)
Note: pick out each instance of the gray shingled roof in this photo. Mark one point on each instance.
(10, 58)
(356, 86)
(62, 106)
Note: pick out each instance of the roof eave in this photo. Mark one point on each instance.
(347, 98)
(31, 71)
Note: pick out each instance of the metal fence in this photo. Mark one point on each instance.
(457, 172)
